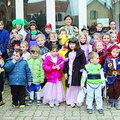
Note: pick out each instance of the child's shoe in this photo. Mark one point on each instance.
(30, 102)
(73, 105)
(78, 105)
(109, 106)
(117, 107)
(22, 108)
(89, 111)
(2, 103)
(57, 104)
(38, 102)
(51, 105)
(100, 111)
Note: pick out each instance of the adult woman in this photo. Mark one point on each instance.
(71, 30)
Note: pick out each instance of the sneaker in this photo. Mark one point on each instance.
(2, 103)
(38, 102)
(73, 105)
(78, 105)
(89, 111)
(51, 105)
(22, 108)
(117, 107)
(13, 107)
(109, 106)
(100, 111)
(57, 104)
(30, 102)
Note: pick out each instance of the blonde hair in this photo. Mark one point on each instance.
(92, 55)
(42, 36)
(1, 22)
(97, 34)
(25, 43)
(85, 37)
(15, 30)
(35, 48)
(19, 36)
(54, 34)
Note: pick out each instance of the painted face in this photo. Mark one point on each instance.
(72, 46)
(99, 47)
(106, 39)
(40, 42)
(32, 27)
(16, 56)
(48, 30)
(68, 21)
(83, 39)
(54, 52)
(23, 48)
(18, 26)
(1, 26)
(115, 52)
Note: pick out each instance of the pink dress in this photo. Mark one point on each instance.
(72, 91)
(53, 92)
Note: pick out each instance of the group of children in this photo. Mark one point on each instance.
(57, 70)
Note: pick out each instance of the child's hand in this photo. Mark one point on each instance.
(14, 61)
(81, 87)
(66, 76)
(29, 83)
(41, 81)
(58, 67)
(103, 85)
(53, 67)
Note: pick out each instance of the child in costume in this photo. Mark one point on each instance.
(53, 92)
(94, 75)
(112, 73)
(62, 52)
(35, 64)
(19, 75)
(1, 80)
(73, 71)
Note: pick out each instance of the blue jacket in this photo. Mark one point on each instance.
(19, 73)
(4, 38)
(111, 78)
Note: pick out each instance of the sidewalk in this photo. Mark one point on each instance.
(44, 112)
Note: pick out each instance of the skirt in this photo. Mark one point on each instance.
(53, 92)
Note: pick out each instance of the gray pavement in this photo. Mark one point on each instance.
(44, 112)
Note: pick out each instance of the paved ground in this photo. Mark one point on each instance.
(44, 112)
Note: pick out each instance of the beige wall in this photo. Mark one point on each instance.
(103, 12)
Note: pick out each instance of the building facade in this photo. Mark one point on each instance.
(84, 12)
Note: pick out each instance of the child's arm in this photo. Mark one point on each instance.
(41, 73)
(46, 67)
(9, 66)
(102, 77)
(83, 78)
(28, 74)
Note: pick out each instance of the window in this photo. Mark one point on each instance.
(93, 14)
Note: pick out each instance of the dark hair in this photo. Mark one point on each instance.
(112, 21)
(18, 51)
(68, 16)
(74, 40)
(53, 47)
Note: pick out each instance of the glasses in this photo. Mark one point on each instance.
(33, 51)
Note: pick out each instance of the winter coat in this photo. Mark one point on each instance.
(35, 65)
(78, 64)
(19, 73)
(50, 74)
